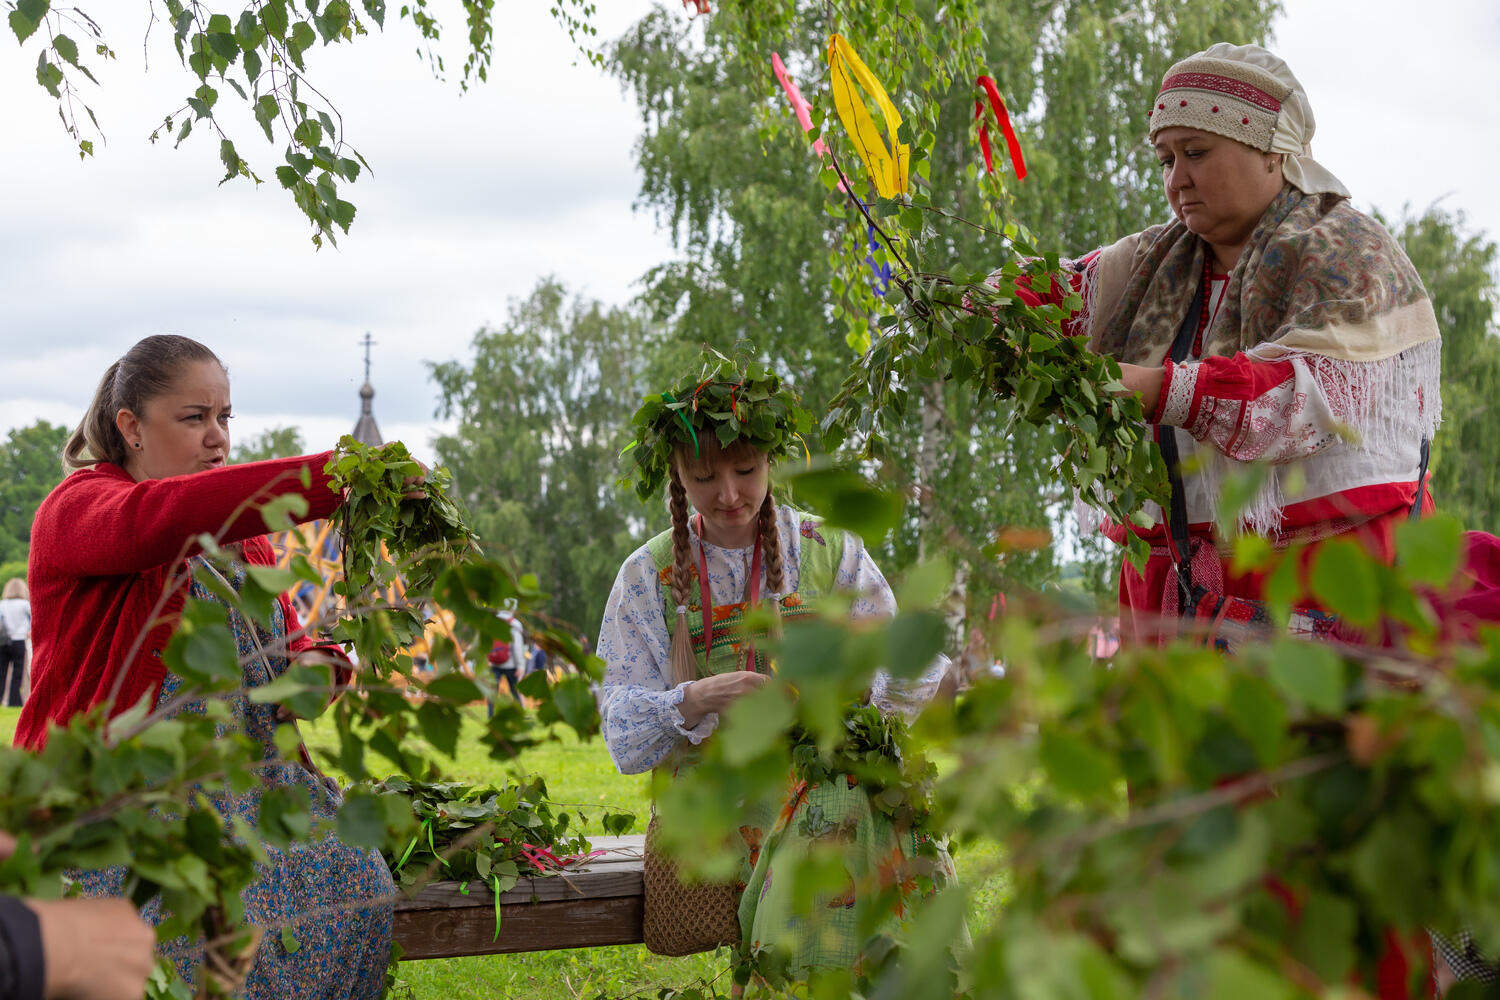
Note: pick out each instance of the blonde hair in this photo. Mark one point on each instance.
(15, 588)
(147, 370)
(684, 665)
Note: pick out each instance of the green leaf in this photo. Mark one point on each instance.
(1309, 673)
(1232, 976)
(755, 724)
(304, 688)
(221, 40)
(49, 76)
(66, 48)
(1258, 714)
(283, 512)
(575, 701)
(270, 578)
(455, 689)
(202, 648)
(846, 501)
(1429, 551)
(1325, 938)
(289, 942)
(913, 641)
(1236, 493)
(361, 820)
(1076, 767)
(274, 16)
(926, 583)
(439, 725)
(1393, 865)
(266, 110)
(33, 10)
(308, 133)
(22, 26)
(1343, 581)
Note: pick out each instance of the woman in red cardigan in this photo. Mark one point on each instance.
(112, 555)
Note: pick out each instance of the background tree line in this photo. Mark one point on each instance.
(541, 406)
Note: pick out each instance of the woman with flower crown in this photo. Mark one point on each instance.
(671, 668)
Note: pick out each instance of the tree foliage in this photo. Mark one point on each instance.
(543, 409)
(1457, 266)
(30, 465)
(273, 442)
(260, 56)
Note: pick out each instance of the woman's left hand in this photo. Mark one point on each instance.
(1143, 380)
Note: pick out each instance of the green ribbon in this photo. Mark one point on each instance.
(433, 847)
(495, 885)
(413, 845)
(685, 422)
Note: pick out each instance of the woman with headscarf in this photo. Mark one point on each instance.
(1270, 322)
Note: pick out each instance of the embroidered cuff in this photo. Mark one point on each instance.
(697, 734)
(1179, 384)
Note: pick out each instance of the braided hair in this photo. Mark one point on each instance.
(684, 665)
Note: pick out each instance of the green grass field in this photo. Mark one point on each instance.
(580, 774)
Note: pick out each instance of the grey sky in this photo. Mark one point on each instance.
(474, 198)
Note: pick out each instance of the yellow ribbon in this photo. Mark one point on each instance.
(885, 161)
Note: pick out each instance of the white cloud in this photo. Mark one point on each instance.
(472, 198)
(1403, 95)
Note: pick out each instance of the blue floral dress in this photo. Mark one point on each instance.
(341, 953)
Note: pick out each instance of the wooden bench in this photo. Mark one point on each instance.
(598, 903)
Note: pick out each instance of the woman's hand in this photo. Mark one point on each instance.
(1146, 381)
(708, 695)
(94, 949)
(414, 484)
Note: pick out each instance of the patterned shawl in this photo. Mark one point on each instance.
(1317, 277)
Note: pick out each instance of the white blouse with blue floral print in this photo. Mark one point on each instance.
(641, 719)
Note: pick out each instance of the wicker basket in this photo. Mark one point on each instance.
(685, 919)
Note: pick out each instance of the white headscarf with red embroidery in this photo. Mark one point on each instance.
(1251, 96)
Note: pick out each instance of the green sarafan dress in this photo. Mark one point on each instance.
(878, 855)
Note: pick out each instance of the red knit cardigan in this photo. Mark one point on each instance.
(108, 577)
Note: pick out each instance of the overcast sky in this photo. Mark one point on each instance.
(474, 198)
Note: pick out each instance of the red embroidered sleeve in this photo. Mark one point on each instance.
(1268, 411)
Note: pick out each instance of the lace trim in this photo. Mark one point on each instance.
(1180, 390)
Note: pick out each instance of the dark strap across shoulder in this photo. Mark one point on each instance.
(1416, 504)
(1166, 439)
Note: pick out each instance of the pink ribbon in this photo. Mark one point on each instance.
(800, 107)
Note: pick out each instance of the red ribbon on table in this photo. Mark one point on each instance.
(1003, 117)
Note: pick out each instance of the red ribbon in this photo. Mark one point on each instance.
(706, 597)
(1003, 117)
